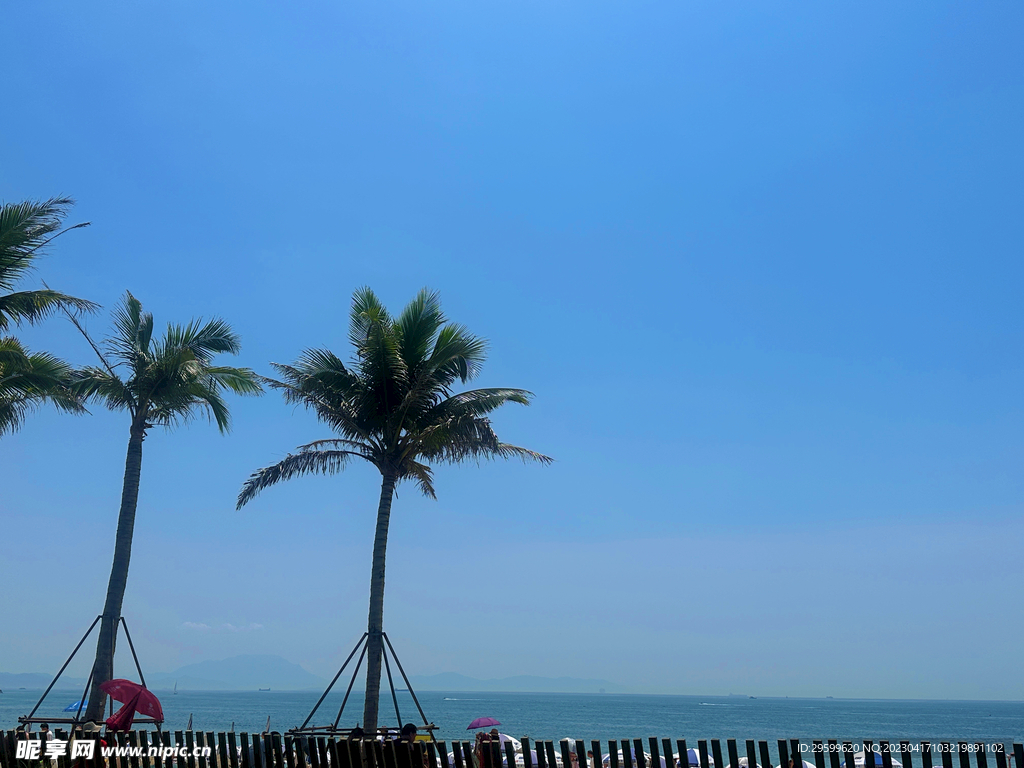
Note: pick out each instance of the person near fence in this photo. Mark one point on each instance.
(482, 750)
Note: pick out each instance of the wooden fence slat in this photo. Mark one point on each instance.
(277, 745)
(638, 752)
(1018, 755)
(200, 745)
(510, 754)
(403, 755)
(833, 753)
(734, 755)
(926, 754)
(378, 752)
(684, 753)
(142, 742)
(527, 757)
(702, 753)
(121, 739)
(495, 753)
(666, 745)
(222, 750)
(563, 747)
(766, 759)
(751, 754)
(150, 741)
(62, 760)
(5, 760)
(965, 756)
(627, 754)
(819, 753)
(190, 745)
(980, 755)
(542, 759)
(848, 757)
(388, 750)
(333, 752)
(257, 750)
(795, 753)
(947, 754)
(549, 748)
(457, 755)
(321, 748)
(905, 754)
(439, 757)
(656, 754)
(232, 751)
(246, 754)
(784, 754)
(716, 752)
(309, 747)
(886, 754)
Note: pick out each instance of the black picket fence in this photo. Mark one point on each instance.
(206, 749)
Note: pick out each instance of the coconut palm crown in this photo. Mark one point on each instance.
(29, 379)
(395, 407)
(24, 229)
(164, 381)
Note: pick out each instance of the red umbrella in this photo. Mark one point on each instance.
(122, 719)
(125, 691)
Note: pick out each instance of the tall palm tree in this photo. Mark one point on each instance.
(394, 407)
(159, 382)
(28, 379)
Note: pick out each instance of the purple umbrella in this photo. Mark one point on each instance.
(482, 722)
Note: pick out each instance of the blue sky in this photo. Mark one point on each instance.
(760, 264)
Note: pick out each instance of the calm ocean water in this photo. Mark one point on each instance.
(592, 716)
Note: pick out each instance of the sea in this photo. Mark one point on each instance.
(587, 716)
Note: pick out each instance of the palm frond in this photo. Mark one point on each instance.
(133, 330)
(27, 380)
(418, 326)
(457, 354)
(92, 383)
(33, 306)
(422, 474)
(203, 340)
(24, 228)
(304, 462)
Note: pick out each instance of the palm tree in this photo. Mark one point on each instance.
(394, 407)
(163, 382)
(28, 379)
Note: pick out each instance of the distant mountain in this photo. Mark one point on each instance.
(452, 681)
(33, 680)
(239, 673)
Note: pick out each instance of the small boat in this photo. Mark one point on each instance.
(264, 689)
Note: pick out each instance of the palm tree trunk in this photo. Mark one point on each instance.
(375, 623)
(103, 667)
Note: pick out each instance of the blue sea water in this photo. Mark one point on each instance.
(590, 716)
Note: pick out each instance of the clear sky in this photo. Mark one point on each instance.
(760, 263)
